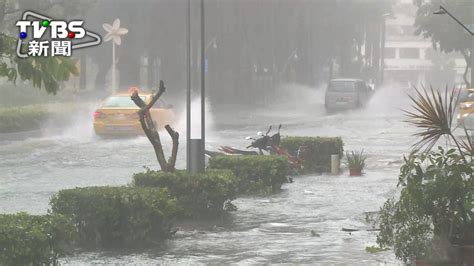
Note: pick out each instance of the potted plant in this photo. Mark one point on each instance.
(356, 162)
(433, 218)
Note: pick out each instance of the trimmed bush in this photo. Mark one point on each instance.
(24, 118)
(201, 195)
(34, 239)
(255, 173)
(31, 117)
(115, 217)
(317, 152)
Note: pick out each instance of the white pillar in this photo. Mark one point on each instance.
(335, 164)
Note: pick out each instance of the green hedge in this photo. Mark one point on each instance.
(31, 117)
(201, 195)
(34, 239)
(317, 153)
(115, 217)
(255, 173)
(24, 118)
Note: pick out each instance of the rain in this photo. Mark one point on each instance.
(265, 63)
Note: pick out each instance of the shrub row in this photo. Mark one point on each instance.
(205, 194)
(254, 173)
(24, 118)
(34, 239)
(317, 151)
(114, 217)
(31, 117)
(140, 215)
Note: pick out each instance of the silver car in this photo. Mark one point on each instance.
(346, 94)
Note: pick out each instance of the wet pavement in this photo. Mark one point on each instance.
(271, 229)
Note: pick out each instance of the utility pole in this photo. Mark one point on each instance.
(188, 85)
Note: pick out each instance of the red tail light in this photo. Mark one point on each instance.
(98, 115)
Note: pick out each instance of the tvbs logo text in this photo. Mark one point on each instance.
(50, 37)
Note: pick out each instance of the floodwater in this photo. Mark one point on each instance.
(266, 229)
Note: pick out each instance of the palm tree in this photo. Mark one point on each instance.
(433, 114)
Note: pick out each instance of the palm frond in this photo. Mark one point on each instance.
(467, 144)
(433, 114)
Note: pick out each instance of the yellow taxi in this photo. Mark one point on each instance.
(118, 115)
(466, 110)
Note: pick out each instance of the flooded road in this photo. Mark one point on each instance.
(269, 229)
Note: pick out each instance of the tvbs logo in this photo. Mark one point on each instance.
(48, 37)
(60, 31)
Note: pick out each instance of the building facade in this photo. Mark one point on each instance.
(410, 60)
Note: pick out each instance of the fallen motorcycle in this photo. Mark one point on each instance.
(268, 144)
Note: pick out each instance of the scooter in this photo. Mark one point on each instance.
(269, 144)
(263, 143)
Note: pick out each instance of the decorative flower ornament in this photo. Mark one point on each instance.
(114, 32)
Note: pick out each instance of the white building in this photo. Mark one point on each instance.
(410, 59)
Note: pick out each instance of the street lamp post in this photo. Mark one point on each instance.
(443, 11)
(195, 146)
(188, 85)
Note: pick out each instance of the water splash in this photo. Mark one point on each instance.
(72, 123)
(196, 120)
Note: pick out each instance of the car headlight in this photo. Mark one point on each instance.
(466, 105)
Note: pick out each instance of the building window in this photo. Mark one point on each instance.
(410, 53)
(389, 52)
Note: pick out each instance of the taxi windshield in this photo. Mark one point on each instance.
(121, 101)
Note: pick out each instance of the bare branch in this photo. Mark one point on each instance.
(137, 100)
(149, 127)
(174, 137)
(156, 96)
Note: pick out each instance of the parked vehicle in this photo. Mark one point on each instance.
(347, 94)
(118, 115)
(265, 144)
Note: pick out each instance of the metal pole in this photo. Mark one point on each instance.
(459, 22)
(470, 32)
(203, 58)
(188, 89)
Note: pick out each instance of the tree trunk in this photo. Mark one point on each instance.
(151, 132)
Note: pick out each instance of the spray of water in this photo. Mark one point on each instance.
(74, 123)
(297, 99)
(196, 120)
(389, 99)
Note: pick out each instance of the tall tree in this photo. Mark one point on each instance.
(445, 34)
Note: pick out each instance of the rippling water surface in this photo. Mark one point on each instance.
(271, 229)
